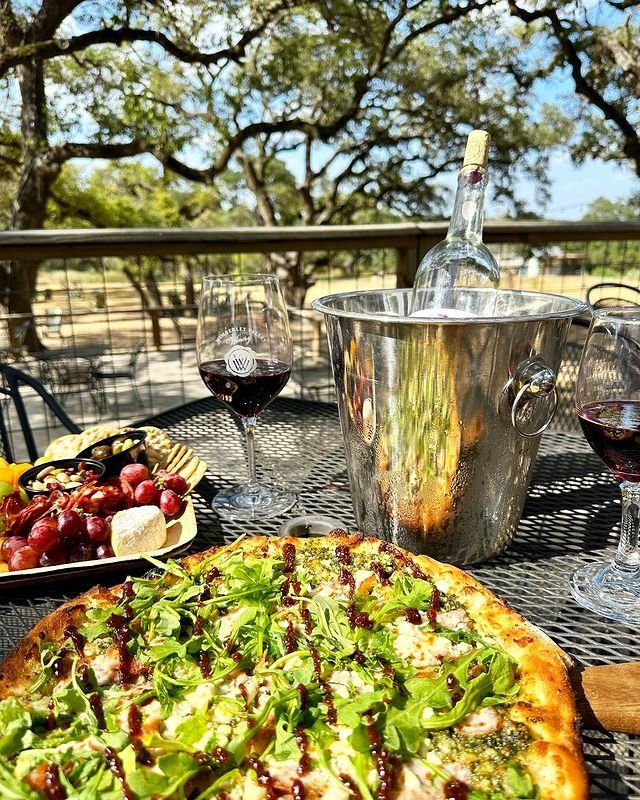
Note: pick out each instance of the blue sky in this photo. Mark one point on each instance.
(574, 187)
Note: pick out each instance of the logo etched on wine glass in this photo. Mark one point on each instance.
(240, 361)
(239, 334)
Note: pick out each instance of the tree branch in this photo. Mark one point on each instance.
(528, 16)
(331, 200)
(9, 24)
(621, 57)
(69, 210)
(53, 48)
(443, 19)
(60, 153)
(255, 181)
(10, 161)
(623, 5)
(304, 190)
(50, 15)
(386, 55)
(631, 146)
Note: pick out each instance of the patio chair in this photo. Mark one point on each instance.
(126, 371)
(610, 294)
(73, 375)
(13, 380)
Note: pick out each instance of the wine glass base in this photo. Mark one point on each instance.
(604, 590)
(252, 501)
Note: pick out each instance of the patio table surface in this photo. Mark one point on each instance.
(571, 516)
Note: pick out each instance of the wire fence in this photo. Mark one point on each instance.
(116, 333)
(108, 356)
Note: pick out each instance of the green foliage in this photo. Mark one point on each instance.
(363, 104)
(134, 194)
(605, 209)
(614, 260)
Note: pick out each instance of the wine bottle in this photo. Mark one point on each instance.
(461, 259)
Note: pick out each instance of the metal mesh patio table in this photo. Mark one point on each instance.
(571, 515)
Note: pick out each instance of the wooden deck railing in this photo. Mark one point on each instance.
(123, 319)
(410, 240)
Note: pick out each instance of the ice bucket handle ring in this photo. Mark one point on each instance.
(533, 379)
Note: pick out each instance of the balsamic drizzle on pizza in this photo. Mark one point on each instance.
(327, 669)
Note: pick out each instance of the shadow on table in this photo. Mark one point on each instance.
(569, 492)
(612, 764)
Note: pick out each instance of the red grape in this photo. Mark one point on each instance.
(55, 556)
(24, 558)
(147, 493)
(105, 551)
(70, 523)
(97, 530)
(175, 482)
(134, 473)
(11, 545)
(46, 522)
(44, 535)
(170, 503)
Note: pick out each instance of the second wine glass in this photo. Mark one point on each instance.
(244, 356)
(608, 406)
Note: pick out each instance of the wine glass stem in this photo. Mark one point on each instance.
(627, 555)
(250, 434)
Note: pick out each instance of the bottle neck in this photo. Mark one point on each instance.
(468, 210)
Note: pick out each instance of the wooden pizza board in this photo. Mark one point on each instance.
(608, 696)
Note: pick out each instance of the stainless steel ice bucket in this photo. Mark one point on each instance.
(442, 418)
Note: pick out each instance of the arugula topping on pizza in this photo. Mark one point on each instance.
(335, 668)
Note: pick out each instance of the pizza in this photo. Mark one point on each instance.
(339, 667)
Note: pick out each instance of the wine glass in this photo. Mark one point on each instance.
(244, 357)
(608, 406)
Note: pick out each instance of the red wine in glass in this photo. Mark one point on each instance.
(612, 428)
(247, 395)
(608, 378)
(245, 355)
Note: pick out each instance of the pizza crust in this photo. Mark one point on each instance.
(22, 665)
(545, 701)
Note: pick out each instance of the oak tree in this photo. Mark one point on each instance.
(318, 111)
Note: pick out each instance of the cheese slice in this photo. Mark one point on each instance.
(138, 530)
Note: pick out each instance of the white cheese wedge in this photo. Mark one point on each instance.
(138, 530)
